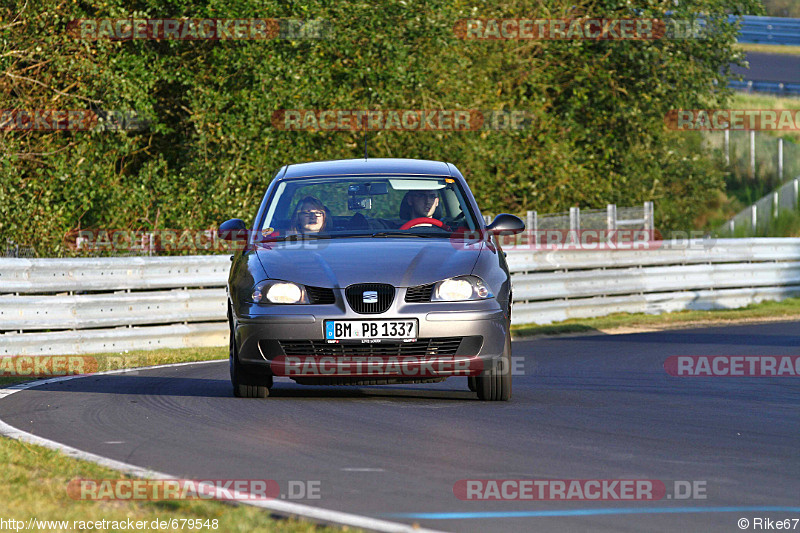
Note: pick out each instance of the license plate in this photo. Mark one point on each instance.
(370, 329)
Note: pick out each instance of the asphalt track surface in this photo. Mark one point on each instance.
(588, 407)
(780, 68)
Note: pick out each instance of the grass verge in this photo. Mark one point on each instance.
(742, 100)
(769, 48)
(786, 309)
(139, 358)
(36, 478)
(35, 486)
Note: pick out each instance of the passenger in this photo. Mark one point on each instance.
(310, 216)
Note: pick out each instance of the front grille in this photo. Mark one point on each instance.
(320, 295)
(420, 293)
(355, 297)
(420, 347)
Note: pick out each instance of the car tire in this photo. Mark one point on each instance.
(494, 383)
(246, 383)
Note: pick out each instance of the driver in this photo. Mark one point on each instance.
(310, 216)
(419, 204)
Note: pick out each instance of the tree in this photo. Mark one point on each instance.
(208, 148)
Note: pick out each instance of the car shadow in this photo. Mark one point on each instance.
(140, 385)
(365, 392)
(132, 384)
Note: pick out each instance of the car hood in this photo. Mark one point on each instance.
(401, 262)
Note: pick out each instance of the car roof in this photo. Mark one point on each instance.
(375, 166)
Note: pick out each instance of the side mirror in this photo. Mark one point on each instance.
(233, 230)
(505, 224)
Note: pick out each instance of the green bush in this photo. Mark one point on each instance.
(209, 150)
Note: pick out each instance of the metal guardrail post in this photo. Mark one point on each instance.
(795, 187)
(780, 159)
(531, 222)
(574, 218)
(727, 147)
(648, 216)
(775, 206)
(753, 217)
(611, 217)
(752, 154)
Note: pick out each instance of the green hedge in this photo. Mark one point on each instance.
(209, 150)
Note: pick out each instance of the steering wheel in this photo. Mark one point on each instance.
(422, 220)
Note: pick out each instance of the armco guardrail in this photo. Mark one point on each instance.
(73, 306)
(111, 273)
(554, 285)
(772, 87)
(769, 30)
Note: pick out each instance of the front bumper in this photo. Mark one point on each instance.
(482, 325)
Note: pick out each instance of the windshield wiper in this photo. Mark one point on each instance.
(296, 237)
(405, 234)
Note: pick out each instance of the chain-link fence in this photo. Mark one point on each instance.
(759, 166)
(611, 218)
(761, 158)
(585, 226)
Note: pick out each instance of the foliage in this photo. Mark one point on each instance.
(209, 150)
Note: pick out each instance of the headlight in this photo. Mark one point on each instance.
(460, 289)
(279, 292)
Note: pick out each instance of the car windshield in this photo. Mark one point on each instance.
(377, 206)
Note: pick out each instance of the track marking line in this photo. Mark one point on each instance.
(594, 512)
(325, 516)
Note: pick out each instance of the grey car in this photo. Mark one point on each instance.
(370, 272)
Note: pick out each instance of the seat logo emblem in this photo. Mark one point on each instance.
(370, 297)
